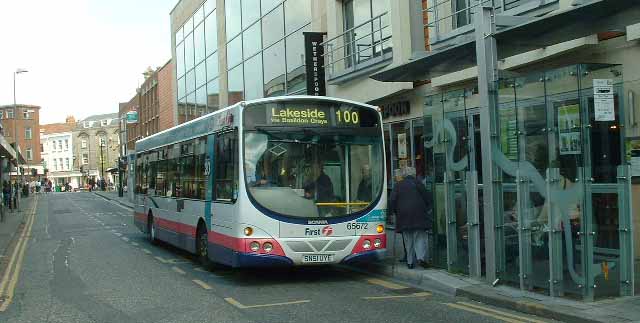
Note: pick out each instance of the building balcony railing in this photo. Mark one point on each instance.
(365, 46)
(450, 19)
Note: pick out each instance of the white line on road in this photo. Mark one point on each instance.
(414, 295)
(147, 251)
(125, 239)
(178, 270)
(202, 284)
(239, 305)
(135, 244)
(118, 234)
(162, 260)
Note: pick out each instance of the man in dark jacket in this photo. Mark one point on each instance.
(321, 189)
(409, 201)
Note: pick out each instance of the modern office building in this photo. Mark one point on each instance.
(228, 51)
(531, 141)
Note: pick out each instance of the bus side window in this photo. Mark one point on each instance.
(226, 167)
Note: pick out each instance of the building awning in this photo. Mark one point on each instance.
(112, 170)
(576, 22)
(7, 150)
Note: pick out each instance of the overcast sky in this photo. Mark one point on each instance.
(83, 56)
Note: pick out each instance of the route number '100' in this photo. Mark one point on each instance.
(348, 117)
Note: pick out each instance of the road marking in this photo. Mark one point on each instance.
(162, 260)
(487, 309)
(414, 295)
(483, 312)
(6, 295)
(147, 251)
(135, 244)
(202, 284)
(178, 270)
(125, 239)
(385, 284)
(118, 234)
(239, 305)
(200, 270)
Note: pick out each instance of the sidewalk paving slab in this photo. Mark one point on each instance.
(10, 228)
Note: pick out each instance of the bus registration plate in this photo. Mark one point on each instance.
(315, 258)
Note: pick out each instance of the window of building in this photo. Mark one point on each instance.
(85, 158)
(83, 144)
(226, 167)
(26, 114)
(252, 43)
(55, 164)
(66, 163)
(59, 145)
(236, 86)
(104, 122)
(234, 52)
(273, 27)
(212, 67)
(296, 76)
(61, 165)
(29, 153)
(66, 144)
(86, 124)
(211, 33)
(198, 43)
(368, 42)
(253, 78)
(41, 148)
(232, 16)
(28, 133)
(297, 14)
(9, 114)
(274, 70)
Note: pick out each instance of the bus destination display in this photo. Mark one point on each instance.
(314, 116)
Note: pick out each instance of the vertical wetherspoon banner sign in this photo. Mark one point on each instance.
(314, 61)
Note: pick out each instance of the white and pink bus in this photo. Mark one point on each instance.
(295, 180)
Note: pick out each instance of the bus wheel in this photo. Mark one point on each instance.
(151, 230)
(202, 246)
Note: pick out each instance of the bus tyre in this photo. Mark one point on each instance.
(151, 230)
(202, 247)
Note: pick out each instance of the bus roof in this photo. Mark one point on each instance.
(201, 126)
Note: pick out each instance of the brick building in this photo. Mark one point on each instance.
(28, 126)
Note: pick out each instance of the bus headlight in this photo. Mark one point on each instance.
(380, 228)
(366, 244)
(377, 243)
(254, 246)
(248, 231)
(267, 247)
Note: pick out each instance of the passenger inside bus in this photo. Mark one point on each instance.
(364, 188)
(321, 189)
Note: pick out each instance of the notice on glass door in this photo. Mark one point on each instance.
(603, 100)
(402, 146)
(569, 129)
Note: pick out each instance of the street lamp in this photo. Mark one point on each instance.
(102, 164)
(15, 120)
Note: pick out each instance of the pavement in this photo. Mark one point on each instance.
(9, 228)
(622, 309)
(82, 260)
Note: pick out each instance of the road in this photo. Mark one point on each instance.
(84, 261)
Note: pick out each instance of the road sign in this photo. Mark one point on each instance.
(132, 117)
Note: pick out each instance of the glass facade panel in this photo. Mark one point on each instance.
(179, 35)
(267, 5)
(209, 6)
(274, 70)
(213, 95)
(201, 75)
(272, 27)
(190, 80)
(188, 52)
(198, 16)
(234, 52)
(251, 41)
(253, 78)
(198, 43)
(212, 67)
(232, 15)
(297, 14)
(188, 26)
(250, 12)
(296, 76)
(201, 100)
(180, 60)
(236, 85)
(211, 34)
(181, 87)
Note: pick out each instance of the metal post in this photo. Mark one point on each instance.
(625, 227)
(473, 223)
(102, 167)
(487, 77)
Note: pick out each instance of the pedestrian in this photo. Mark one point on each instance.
(38, 186)
(409, 201)
(6, 194)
